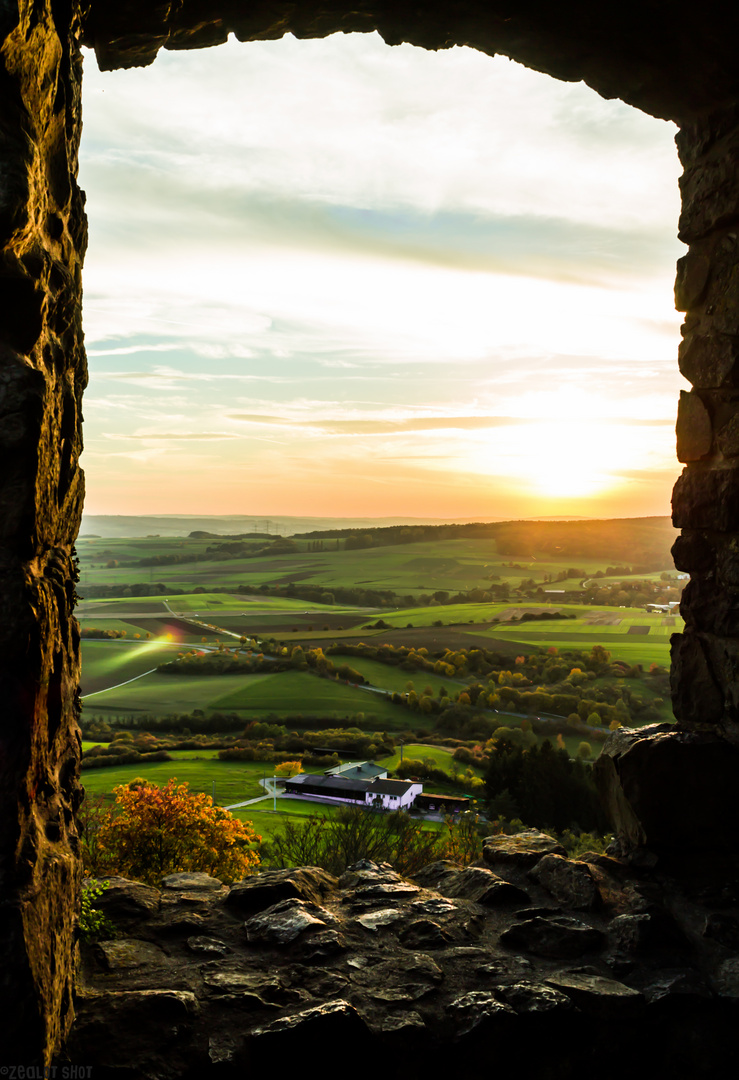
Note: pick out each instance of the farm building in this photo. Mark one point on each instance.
(388, 794)
(444, 804)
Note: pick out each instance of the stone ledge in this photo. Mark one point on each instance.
(444, 979)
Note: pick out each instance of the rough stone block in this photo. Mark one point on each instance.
(672, 792)
(710, 190)
(707, 499)
(728, 438)
(694, 432)
(697, 695)
(569, 881)
(693, 551)
(708, 360)
(691, 280)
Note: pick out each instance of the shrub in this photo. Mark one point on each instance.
(151, 831)
(94, 924)
(355, 833)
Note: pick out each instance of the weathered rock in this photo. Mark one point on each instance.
(129, 953)
(568, 881)
(366, 872)
(309, 1032)
(150, 1023)
(392, 982)
(433, 907)
(424, 934)
(672, 792)
(534, 998)
(694, 428)
(191, 882)
(477, 1010)
(422, 990)
(248, 991)
(264, 890)
(521, 851)
(472, 883)
(375, 920)
(123, 900)
(649, 934)
(723, 928)
(691, 280)
(687, 985)
(598, 996)
(365, 895)
(727, 978)
(558, 937)
(286, 921)
(207, 946)
(321, 946)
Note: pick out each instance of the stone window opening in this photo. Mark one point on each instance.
(678, 65)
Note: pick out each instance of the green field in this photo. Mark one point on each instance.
(409, 569)
(234, 781)
(303, 692)
(161, 694)
(394, 679)
(451, 565)
(108, 663)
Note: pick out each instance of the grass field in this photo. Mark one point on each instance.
(107, 663)
(303, 692)
(394, 678)
(452, 565)
(160, 694)
(234, 781)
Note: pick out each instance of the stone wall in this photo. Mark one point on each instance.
(706, 498)
(42, 376)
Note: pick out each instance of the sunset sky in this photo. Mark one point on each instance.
(337, 278)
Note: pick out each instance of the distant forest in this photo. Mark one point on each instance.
(642, 543)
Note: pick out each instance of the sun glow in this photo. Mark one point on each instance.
(570, 458)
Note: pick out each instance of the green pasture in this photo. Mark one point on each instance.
(282, 693)
(441, 758)
(451, 565)
(249, 604)
(108, 663)
(447, 613)
(88, 622)
(121, 604)
(394, 679)
(160, 694)
(302, 692)
(234, 781)
(585, 631)
(267, 821)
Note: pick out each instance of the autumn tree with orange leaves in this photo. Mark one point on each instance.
(150, 832)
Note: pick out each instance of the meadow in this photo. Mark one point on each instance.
(119, 676)
(412, 569)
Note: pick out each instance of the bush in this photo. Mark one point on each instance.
(355, 833)
(93, 924)
(150, 832)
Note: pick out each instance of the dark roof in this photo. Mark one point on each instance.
(329, 783)
(357, 770)
(390, 787)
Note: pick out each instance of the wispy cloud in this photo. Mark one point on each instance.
(339, 241)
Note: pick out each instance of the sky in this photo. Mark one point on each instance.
(337, 278)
